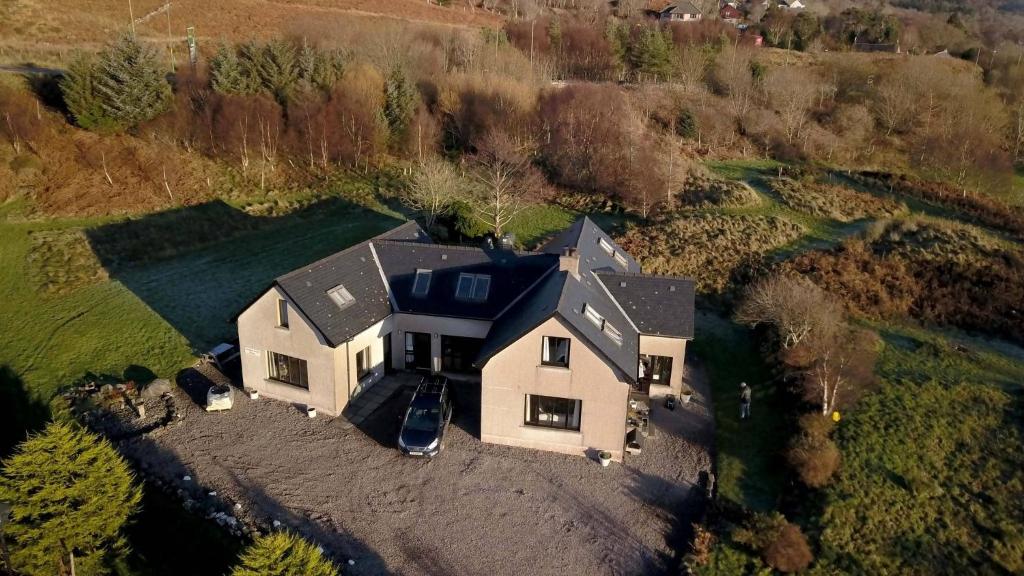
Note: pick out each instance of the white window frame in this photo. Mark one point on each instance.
(426, 276)
(606, 246)
(613, 333)
(471, 281)
(282, 313)
(590, 314)
(341, 296)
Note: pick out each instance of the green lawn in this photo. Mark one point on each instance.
(155, 314)
(750, 470)
(932, 477)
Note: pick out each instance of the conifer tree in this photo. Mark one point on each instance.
(283, 554)
(131, 83)
(71, 493)
(399, 102)
(227, 75)
(81, 95)
(651, 53)
(277, 68)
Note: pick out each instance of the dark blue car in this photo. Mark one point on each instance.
(425, 421)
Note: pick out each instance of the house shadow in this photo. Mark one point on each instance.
(174, 533)
(199, 266)
(21, 413)
(681, 505)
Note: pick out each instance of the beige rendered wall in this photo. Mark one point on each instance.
(436, 326)
(373, 337)
(258, 333)
(672, 347)
(517, 371)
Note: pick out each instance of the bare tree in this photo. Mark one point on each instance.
(793, 92)
(1018, 133)
(507, 180)
(794, 306)
(434, 189)
(843, 366)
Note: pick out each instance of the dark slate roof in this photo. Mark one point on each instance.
(585, 236)
(525, 315)
(356, 270)
(562, 294)
(512, 274)
(658, 305)
(353, 268)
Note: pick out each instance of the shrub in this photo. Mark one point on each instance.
(700, 191)
(789, 551)
(283, 554)
(781, 544)
(812, 453)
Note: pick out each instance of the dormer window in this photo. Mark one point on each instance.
(342, 297)
(421, 285)
(473, 287)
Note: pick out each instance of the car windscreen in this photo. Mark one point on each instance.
(423, 419)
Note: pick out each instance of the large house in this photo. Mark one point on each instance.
(560, 338)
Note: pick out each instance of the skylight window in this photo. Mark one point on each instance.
(613, 333)
(421, 285)
(592, 315)
(621, 259)
(342, 297)
(473, 287)
(606, 246)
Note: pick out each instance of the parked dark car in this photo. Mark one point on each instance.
(426, 419)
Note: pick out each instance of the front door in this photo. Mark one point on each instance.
(417, 351)
(458, 353)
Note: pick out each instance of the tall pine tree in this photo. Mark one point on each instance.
(283, 554)
(71, 493)
(131, 83)
(227, 74)
(399, 103)
(80, 90)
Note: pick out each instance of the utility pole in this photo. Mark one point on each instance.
(131, 14)
(170, 43)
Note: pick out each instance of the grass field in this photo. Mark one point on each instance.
(750, 470)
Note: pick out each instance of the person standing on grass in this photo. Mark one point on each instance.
(744, 401)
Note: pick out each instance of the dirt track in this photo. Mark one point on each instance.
(476, 509)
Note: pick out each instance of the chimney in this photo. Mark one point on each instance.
(569, 261)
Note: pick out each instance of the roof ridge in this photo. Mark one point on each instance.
(377, 238)
(601, 272)
(460, 247)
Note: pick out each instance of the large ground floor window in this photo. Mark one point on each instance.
(551, 412)
(287, 370)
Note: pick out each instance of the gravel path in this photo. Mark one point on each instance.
(475, 509)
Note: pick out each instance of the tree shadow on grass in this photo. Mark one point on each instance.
(198, 266)
(20, 412)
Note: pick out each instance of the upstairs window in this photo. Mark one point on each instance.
(341, 297)
(473, 287)
(421, 285)
(621, 259)
(282, 313)
(606, 246)
(555, 352)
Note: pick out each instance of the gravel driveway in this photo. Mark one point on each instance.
(475, 509)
